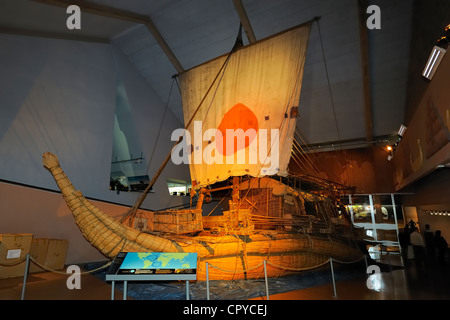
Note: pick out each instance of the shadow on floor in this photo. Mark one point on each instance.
(413, 282)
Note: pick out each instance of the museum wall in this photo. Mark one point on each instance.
(45, 214)
(426, 143)
(366, 169)
(60, 96)
(423, 157)
(429, 22)
(429, 197)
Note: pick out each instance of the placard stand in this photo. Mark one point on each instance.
(152, 266)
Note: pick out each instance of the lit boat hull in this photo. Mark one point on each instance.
(230, 256)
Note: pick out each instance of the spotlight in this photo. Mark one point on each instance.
(437, 54)
(390, 151)
(433, 62)
(444, 41)
(401, 131)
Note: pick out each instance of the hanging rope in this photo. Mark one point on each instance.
(53, 270)
(298, 269)
(12, 264)
(65, 273)
(161, 125)
(284, 267)
(234, 271)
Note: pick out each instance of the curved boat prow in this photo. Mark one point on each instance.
(50, 160)
(104, 232)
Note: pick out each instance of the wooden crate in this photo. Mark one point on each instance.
(51, 253)
(178, 221)
(13, 249)
(235, 222)
(56, 254)
(38, 252)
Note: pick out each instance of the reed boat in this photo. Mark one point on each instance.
(291, 221)
(236, 243)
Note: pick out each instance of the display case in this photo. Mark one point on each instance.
(380, 216)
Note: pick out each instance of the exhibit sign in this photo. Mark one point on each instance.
(148, 262)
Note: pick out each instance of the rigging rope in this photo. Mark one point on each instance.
(141, 199)
(328, 81)
(161, 125)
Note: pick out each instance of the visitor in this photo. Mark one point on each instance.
(429, 243)
(441, 246)
(411, 225)
(404, 243)
(418, 244)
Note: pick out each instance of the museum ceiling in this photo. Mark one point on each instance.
(357, 80)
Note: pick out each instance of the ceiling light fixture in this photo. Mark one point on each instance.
(436, 55)
(401, 131)
(433, 62)
(390, 151)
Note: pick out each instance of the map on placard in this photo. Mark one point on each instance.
(159, 260)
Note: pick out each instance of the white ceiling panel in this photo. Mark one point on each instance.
(331, 103)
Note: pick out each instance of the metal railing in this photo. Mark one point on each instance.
(265, 263)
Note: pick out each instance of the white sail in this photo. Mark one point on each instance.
(254, 92)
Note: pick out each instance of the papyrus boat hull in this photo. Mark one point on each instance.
(230, 256)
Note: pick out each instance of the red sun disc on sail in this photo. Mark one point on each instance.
(238, 117)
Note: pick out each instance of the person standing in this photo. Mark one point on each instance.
(441, 246)
(418, 244)
(429, 243)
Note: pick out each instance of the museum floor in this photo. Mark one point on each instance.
(410, 283)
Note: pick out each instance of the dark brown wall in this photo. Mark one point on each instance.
(434, 189)
(365, 168)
